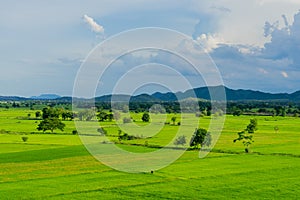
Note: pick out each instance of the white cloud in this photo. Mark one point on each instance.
(263, 71)
(238, 22)
(245, 50)
(263, 2)
(93, 24)
(275, 64)
(284, 74)
(284, 42)
(210, 41)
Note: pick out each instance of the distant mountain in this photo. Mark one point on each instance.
(231, 95)
(200, 93)
(237, 95)
(125, 98)
(46, 97)
(117, 97)
(295, 96)
(165, 96)
(12, 98)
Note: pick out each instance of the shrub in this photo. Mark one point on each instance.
(24, 138)
(102, 131)
(146, 117)
(181, 140)
(126, 136)
(74, 132)
(126, 120)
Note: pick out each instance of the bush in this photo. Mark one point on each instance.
(146, 117)
(126, 120)
(74, 132)
(102, 131)
(181, 140)
(24, 138)
(146, 143)
(126, 136)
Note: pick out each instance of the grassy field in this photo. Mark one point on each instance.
(57, 166)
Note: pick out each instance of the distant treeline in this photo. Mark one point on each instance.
(273, 108)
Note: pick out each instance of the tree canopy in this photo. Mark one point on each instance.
(50, 120)
(146, 117)
(246, 136)
(200, 138)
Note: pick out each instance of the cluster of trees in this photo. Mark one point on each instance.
(126, 136)
(50, 120)
(271, 108)
(201, 138)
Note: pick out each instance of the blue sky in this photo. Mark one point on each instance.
(255, 44)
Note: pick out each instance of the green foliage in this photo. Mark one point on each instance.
(51, 124)
(49, 112)
(116, 115)
(127, 120)
(102, 131)
(38, 114)
(181, 140)
(126, 136)
(86, 115)
(252, 126)
(283, 112)
(198, 138)
(173, 119)
(207, 140)
(110, 117)
(208, 112)
(102, 116)
(24, 138)
(50, 120)
(146, 117)
(67, 115)
(237, 112)
(246, 136)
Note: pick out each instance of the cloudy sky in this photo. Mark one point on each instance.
(255, 44)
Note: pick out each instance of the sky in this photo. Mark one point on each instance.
(255, 44)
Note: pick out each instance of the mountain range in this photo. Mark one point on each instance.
(201, 93)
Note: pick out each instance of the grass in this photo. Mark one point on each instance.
(59, 167)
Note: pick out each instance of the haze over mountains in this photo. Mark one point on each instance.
(201, 93)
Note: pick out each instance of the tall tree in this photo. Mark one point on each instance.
(246, 136)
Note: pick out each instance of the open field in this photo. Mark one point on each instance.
(54, 166)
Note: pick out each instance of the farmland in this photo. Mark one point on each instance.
(57, 166)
